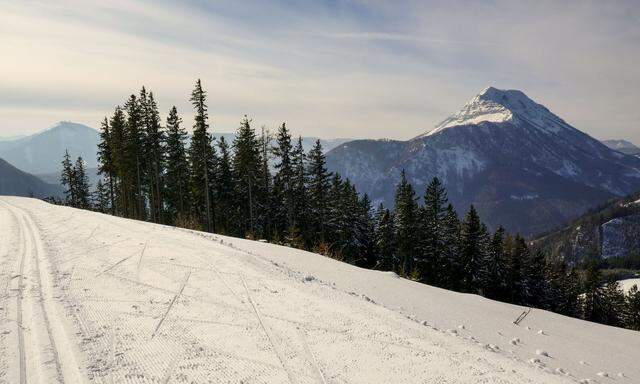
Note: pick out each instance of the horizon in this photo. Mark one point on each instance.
(373, 70)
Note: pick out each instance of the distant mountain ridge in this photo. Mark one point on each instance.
(624, 146)
(522, 166)
(609, 231)
(14, 182)
(42, 152)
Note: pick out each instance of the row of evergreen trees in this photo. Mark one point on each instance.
(267, 187)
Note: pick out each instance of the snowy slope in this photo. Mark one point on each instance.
(93, 298)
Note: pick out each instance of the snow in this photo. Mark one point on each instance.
(499, 106)
(626, 284)
(103, 299)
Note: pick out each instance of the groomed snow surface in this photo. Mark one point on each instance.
(87, 297)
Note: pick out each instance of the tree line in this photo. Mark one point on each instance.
(265, 186)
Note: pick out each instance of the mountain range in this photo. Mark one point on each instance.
(521, 165)
(624, 146)
(15, 182)
(42, 152)
(611, 230)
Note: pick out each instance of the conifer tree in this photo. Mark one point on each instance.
(202, 159)
(431, 229)
(385, 240)
(133, 166)
(492, 273)
(318, 191)
(106, 165)
(264, 191)
(406, 220)
(154, 139)
(451, 262)
(632, 310)
(515, 252)
(101, 198)
(247, 168)
(122, 182)
(68, 180)
(300, 193)
(473, 241)
(365, 233)
(81, 185)
(613, 304)
(283, 181)
(177, 195)
(227, 201)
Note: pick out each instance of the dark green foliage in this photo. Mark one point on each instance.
(202, 160)
(318, 191)
(473, 249)
(406, 220)
(177, 193)
(247, 168)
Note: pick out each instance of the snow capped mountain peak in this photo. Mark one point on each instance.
(499, 106)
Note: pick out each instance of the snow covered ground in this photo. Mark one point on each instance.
(86, 297)
(626, 284)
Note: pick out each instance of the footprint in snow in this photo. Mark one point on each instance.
(515, 341)
(541, 332)
(542, 352)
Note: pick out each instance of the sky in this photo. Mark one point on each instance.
(329, 68)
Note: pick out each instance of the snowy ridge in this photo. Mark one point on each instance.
(498, 106)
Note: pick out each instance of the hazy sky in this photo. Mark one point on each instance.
(329, 68)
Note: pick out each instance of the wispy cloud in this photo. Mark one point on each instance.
(328, 67)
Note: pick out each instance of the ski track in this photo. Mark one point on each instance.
(197, 309)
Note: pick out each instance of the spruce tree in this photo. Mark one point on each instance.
(431, 230)
(154, 140)
(247, 169)
(227, 199)
(451, 261)
(101, 198)
(385, 240)
(365, 234)
(68, 180)
(300, 193)
(318, 191)
(632, 309)
(123, 203)
(473, 242)
(283, 181)
(202, 160)
(134, 160)
(106, 165)
(406, 220)
(492, 270)
(177, 194)
(81, 184)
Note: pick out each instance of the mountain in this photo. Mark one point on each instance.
(15, 182)
(611, 230)
(520, 165)
(624, 146)
(129, 301)
(42, 152)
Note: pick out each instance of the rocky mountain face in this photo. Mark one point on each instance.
(14, 182)
(609, 231)
(42, 152)
(520, 165)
